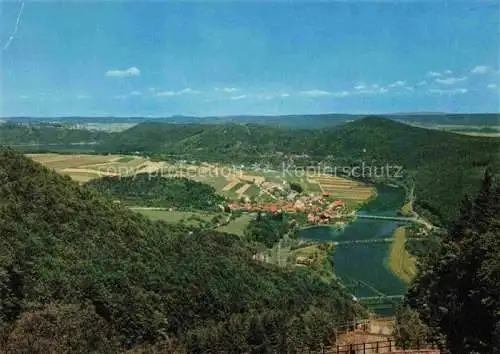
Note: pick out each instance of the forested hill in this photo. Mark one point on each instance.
(445, 166)
(158, 191)
(83, 275)
(210, 142)
(454, 300)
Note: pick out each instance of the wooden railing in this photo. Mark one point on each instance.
(385, 346)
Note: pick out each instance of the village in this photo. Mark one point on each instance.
(320, 209)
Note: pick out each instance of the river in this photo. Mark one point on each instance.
(363, 268)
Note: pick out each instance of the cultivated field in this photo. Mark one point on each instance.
(343, 188)
(175, 216)
(234, 184)
(236, 226)
(83, 168)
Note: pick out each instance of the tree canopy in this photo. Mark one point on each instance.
(70, 257)
(158, 191)
(457, 290)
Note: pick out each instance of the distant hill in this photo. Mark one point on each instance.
(444, 165)
(297, 121)
(81, 274)
(213, 142)
(42, 134)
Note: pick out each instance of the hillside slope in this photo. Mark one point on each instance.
(443, 166)
(117, 280)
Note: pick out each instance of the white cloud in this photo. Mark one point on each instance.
(481, 69)
(189, 91)
(399, 83)
(82, 97)
(227, 89)
(315, 93)
(129, 95)
(422, 83)
(451, 91)
(409, 88)
(265, 98)
(360, 86)
(492, 86)
(341, 94)
(24, 97)
(363, 88)
(165, 93)
(322, 93)
(240, 97)
(371, 91)
(450, 80)
(272, 96)
(186, 91)
(133, 71)
(433, 74)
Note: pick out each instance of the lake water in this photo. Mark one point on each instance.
(362, 268)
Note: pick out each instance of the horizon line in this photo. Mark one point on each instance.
(242, 115)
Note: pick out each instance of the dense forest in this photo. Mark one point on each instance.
(81, 274)
(455, 299)
(268, 229)
(443, 166)
(157, 191)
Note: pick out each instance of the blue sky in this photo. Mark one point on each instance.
(223, 58)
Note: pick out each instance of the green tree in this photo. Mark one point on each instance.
(456, 291)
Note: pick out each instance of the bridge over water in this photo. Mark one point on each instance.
(398, 218)
(374, 240)
(380, 298)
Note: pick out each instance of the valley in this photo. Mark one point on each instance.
(323, 199)
(294, 207)
(249, 177)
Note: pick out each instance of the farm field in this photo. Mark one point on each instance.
(230, 183)
(474, 130)
(401, 263)
(82, 168)
(174, 216)
(236, 226)
(343, 188)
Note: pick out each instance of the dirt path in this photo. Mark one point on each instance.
(230, 185)
(86, 170)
